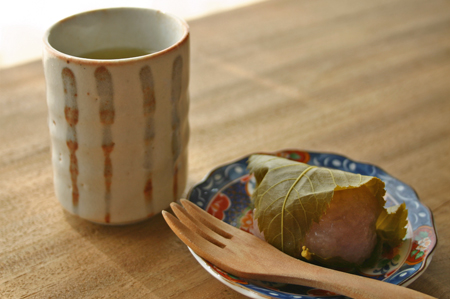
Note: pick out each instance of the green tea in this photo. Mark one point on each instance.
(116, 53)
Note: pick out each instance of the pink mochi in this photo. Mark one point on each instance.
(347, 229)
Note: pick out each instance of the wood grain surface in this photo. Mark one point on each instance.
(365, 79)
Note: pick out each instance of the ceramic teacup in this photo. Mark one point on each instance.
(117, 94)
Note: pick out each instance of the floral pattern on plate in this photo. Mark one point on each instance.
(225, 193)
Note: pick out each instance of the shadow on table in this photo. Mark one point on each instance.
(148, 251)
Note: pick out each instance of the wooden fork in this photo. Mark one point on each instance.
(248, 257)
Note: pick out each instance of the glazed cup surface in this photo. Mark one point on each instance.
(119, 127)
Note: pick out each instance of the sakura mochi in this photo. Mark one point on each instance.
(323, 215)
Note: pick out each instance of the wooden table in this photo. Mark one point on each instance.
(365, 79)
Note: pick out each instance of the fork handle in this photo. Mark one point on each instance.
(346, 284)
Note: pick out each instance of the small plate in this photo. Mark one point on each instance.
(225, 193)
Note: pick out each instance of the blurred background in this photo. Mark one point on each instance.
(23, 23)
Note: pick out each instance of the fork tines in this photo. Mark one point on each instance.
(199, 230)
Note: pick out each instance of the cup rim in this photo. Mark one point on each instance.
(88, 61)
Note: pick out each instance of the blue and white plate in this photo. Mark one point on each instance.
(225, 193)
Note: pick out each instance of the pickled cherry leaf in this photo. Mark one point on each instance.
(391, 225)
(290, 195)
